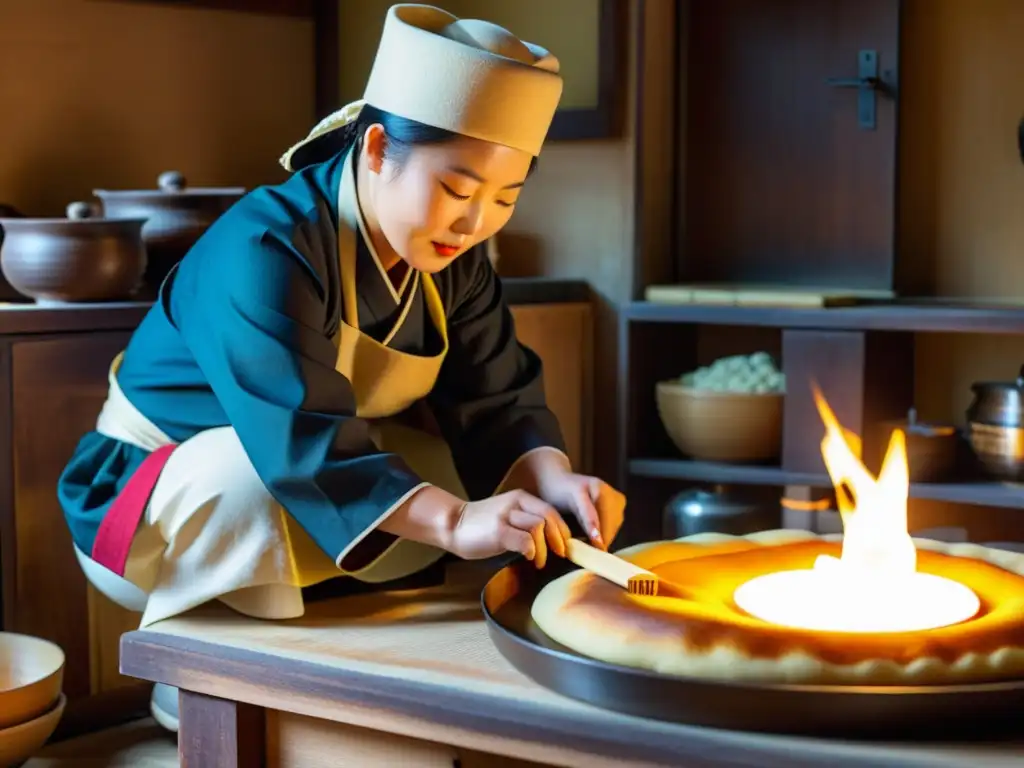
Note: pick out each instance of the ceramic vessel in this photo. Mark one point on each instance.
(931, 448)
(719, 510)
(995, 423)
(721, 426)
(176, 217)
(7, 292)
(81, 258)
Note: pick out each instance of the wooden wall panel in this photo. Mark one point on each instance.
(561, 335)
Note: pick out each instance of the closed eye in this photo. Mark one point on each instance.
(503, 204)
(452, 193)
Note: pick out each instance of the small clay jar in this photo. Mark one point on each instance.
(81, 258)
(995, 427)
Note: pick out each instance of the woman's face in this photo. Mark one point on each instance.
(444, 198)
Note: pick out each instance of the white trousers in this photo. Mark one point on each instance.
(213, 531)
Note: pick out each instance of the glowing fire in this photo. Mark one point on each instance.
(874, 586)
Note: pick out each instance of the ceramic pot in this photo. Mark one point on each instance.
(931, 448)
(995, 422)
(7, 292)
(80, 258)
(176, 216)
(720, 510)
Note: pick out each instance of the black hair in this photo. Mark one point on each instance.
(402, 135)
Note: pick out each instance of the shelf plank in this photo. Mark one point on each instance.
(920, 318)
(297, 8)
(976, 493)
(716, 472)
(985, 494)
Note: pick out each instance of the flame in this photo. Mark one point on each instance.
(874, 586)
(874, 512)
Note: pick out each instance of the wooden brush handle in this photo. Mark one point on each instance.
(603, 564)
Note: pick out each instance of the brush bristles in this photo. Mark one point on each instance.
(645, 586)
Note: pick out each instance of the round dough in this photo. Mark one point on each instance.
(715, 640)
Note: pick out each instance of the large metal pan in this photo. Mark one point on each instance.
(983, 711)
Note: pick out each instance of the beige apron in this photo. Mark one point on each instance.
(213, 531)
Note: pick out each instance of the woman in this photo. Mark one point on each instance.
(252, 442)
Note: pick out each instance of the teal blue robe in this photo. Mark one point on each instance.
(241, 336)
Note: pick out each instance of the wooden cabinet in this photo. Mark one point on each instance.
(789, 170)
(55, 386)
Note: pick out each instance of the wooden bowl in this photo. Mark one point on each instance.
(721, 426)
(31, 677)
(21, 742)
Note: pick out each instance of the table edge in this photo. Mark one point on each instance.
(193, 664)
(196, 665)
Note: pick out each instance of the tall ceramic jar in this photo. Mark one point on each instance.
(176, 216)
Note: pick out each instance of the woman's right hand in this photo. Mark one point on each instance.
(509, 522)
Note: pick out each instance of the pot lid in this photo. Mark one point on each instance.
(1004, 385)
(171, 183)
(79, 212)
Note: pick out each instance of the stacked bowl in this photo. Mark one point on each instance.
(31, 699)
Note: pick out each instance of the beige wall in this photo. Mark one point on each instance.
(99, 93)
(962, 200)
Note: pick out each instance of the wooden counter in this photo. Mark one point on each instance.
(412, 679)
(53, 380)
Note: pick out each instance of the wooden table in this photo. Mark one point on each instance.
(412, 679)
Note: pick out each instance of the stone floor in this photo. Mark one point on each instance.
(140, 744)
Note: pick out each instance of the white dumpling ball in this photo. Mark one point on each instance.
(744, 374)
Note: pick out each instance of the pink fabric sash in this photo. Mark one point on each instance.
(117, 530)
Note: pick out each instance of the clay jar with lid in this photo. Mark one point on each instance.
(81, 258)
(995, 423)
(176, 216)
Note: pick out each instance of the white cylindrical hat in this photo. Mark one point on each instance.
(467, 76)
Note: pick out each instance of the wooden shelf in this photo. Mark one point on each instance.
(714, 472)
(299, 8)
(978, 493)
(923, 317)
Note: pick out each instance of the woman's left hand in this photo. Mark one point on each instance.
(598, 507)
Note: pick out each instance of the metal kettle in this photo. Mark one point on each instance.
(721, 509)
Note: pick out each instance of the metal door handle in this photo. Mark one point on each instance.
(855, 82)
(868, 84)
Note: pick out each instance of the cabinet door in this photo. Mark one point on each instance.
(560, 334)
(58, 386)
(783, 183)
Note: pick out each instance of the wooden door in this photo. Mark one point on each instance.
(780, 182)
(58, 386)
